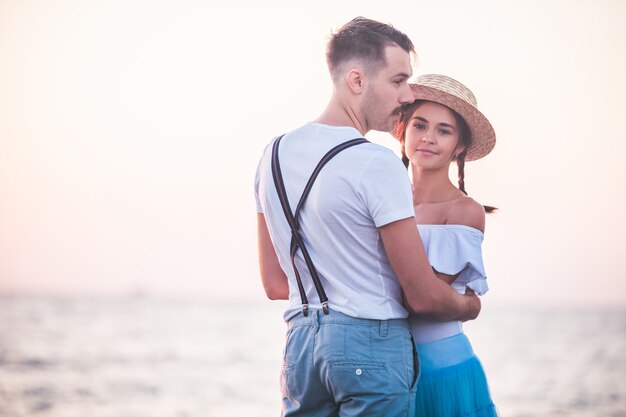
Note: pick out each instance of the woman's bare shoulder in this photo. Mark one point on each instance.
(468, 212)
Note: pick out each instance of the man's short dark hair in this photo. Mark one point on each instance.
(365, 40)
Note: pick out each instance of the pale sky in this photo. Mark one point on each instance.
(130, 132)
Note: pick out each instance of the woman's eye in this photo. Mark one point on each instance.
(444, 132)
(418, 126)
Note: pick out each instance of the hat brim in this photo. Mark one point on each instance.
(483, 134)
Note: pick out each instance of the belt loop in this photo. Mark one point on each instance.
(383, 328)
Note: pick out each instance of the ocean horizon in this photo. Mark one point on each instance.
(145, 356)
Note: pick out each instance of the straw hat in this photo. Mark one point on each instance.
(451, 93)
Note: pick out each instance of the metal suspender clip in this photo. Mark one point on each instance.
(325, 308)
(305, 310)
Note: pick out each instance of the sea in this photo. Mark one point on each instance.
(147, 356)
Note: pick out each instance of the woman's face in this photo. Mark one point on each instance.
(432, 136)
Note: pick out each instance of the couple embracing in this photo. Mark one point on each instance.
(379, 270)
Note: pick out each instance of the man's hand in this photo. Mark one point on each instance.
(474, 305)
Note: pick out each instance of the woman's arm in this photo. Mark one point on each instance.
(272, 275)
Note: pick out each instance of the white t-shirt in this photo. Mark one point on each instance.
(360, 189)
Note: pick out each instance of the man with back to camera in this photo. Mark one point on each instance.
(352, 355)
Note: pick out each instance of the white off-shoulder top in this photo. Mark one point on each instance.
(451, 249)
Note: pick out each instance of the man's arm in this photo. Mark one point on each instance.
(272, 275)
(424, 292)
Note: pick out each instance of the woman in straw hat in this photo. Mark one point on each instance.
(443, 125)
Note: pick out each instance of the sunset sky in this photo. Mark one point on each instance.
(130, 132)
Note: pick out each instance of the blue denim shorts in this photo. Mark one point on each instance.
(337, 365)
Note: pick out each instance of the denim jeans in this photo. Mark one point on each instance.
(336, 365)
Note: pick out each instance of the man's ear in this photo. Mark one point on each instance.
(355, 80)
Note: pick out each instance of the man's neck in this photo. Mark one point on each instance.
(337, 114)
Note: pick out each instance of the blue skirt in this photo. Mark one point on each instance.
(452, 381)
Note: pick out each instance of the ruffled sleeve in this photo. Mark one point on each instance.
(456, 248)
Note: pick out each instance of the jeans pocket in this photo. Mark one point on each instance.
(286, 350)
(291, 351)
(296, 362)
(358, 367)
(354, 377)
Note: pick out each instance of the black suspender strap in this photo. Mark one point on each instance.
(294, 219)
